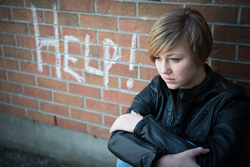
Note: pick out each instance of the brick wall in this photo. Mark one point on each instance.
(78, 64)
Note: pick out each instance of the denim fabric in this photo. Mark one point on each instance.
(121, 163)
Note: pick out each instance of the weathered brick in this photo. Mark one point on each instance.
(22, 78)
(101, 22)
(136, 25)
(232, 33)
(143, 44)
(245, 85)
(4, 97)
(243, 53)
(63, 18)
(17, 53)
(124, 110)
(40, 117)
(239, 2)
(44, 30)
(65, 75)
(68, 99)
(98, 80)
(12, 27)
(77, 5)
(217, 13)
(9, 64)
(72, 125)
(26, 15)
(25, 102)
(123, 70)
(27, 42)
(148, 73)
(231, 69)
(37, 93)
(86, 116)
(137, 86)
(51, 84)
(12, 110)
(95, 51)
(3, 75)
(5, 13)
(118, 97)
(33, 68)
(10, 87)
(72, 48)
(11, 2)
(118, 38)
(7, 39)
(41, 4)
(155, 10)
(245, 14)
(79, 33)
(54, 108)
(223, 51)
(116, 8)
(48, 58)
(84, 90)
(80, 63)
(108, 121)
(102, 106)
(98, 131)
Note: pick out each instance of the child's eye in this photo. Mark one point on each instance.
(175, 60)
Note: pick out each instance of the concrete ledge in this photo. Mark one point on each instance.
(66, 146)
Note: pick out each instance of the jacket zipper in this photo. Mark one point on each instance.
(174, 114)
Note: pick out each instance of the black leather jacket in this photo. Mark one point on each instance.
(212, 115)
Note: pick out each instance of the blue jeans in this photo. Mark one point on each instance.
(121, 163)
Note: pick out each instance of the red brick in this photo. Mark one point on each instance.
(11, 2)
(26, 15)
(44, 30)
(10, 87)
(25, 102)
(2, 75)
(79, 33)
(40, 4)
(232, 34)
(143, 42)
(116, 8)
(245, 85)
(123, 70)
(231, 69)
(48, 58)
(98, 131)
(84, 90)
(1, 51)
(199, 1)
(86, 116)
(102, 106)
(68, 99)
(40, 117)
(80, 63)
(73, 48)
(101, 22)
(98, 80)
(136, 25)
(33, 68)
(63, 18)
(137, 85)
(17, 53)
(223, 51)
(239, 2)
(51, 84)
(72, 125)
(54, 108)
(118, 38)
(124, 110)
(118, 97)
(245, 14)
(65, 75)
(5, 13)
(27, 42)
(12, 27)
(243, 53)
(7, 39)
(21, 78)
(148, 73)
(77, 5)
(12, 110)
(95, 51)
(37, 93)
(9, 64)
(155, 10)
(217, 13)
(4, 97)
(108, 121)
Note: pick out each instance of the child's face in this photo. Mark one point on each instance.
(178, 69)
